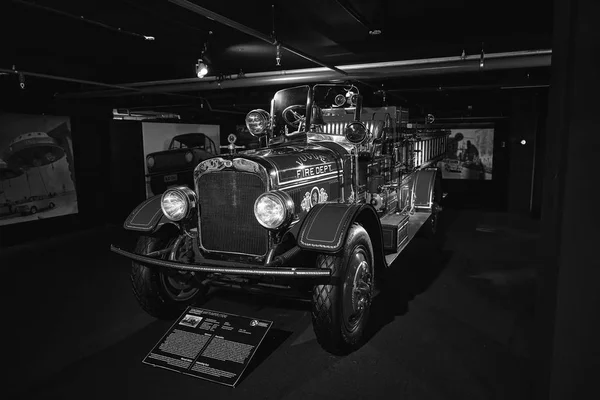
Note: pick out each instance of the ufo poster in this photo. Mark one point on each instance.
(36, 168)
(470, 154)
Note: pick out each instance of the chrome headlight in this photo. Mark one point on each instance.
(258, 121)
(150, 161)
(274, 209)
(177, 203)
(189, 156)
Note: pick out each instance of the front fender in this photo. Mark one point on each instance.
(147, 217)
(325, 227)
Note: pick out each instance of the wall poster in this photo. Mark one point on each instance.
(36, 168)
(172, 150)
(470, 153)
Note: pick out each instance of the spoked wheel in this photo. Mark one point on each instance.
(164, 293)
(357, 289)
(340, 310)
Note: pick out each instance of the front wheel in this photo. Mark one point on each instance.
(164, 294)
(340, 310)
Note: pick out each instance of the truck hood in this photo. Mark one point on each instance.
(292, 164)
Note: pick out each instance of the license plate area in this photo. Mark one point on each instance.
(170, 178)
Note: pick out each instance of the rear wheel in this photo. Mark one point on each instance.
(340, 310)
(163, 293)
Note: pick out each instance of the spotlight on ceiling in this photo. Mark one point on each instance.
(375, 32)
(201, 69)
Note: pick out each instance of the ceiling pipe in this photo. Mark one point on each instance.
(252, 32)
(442, 89)
(66, 79)
(461, 118)
(371, 71)
(128, 89)
(345, 4)
(83, 19)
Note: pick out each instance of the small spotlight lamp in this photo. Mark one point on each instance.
(201, 69)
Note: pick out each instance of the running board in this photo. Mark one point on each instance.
(415, 222)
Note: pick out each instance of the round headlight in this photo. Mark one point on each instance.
(150, 161)
(258, 121)
(189, 157)
(177, 203)
(273, 209)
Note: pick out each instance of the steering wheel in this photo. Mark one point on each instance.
(292, 117)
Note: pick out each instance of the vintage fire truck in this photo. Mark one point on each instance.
(325, 205)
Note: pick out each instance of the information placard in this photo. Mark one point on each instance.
(208, 344)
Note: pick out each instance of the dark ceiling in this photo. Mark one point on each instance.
(103, 40)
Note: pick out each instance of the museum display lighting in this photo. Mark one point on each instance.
(177, 203)
(258, 121)
(201, 69)
(273, 209)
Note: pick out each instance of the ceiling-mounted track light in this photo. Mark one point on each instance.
(482, 57)
(202, 66)
(201, 69)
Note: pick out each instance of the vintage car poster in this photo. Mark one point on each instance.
(172, 150)
(36, 168)
(470, 154)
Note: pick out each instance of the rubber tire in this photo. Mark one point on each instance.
(327, 300)
(148, 289)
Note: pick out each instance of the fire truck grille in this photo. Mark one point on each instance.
(227, 221)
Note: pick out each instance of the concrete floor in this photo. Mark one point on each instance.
(456, 325)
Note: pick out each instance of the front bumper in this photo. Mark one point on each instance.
(226, 267)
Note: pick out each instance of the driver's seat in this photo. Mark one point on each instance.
(316, 119)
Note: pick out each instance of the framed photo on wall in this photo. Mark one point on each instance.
(36, 168)
(470, 153)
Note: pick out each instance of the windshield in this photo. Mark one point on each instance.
(334, 95)
(289, 107)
